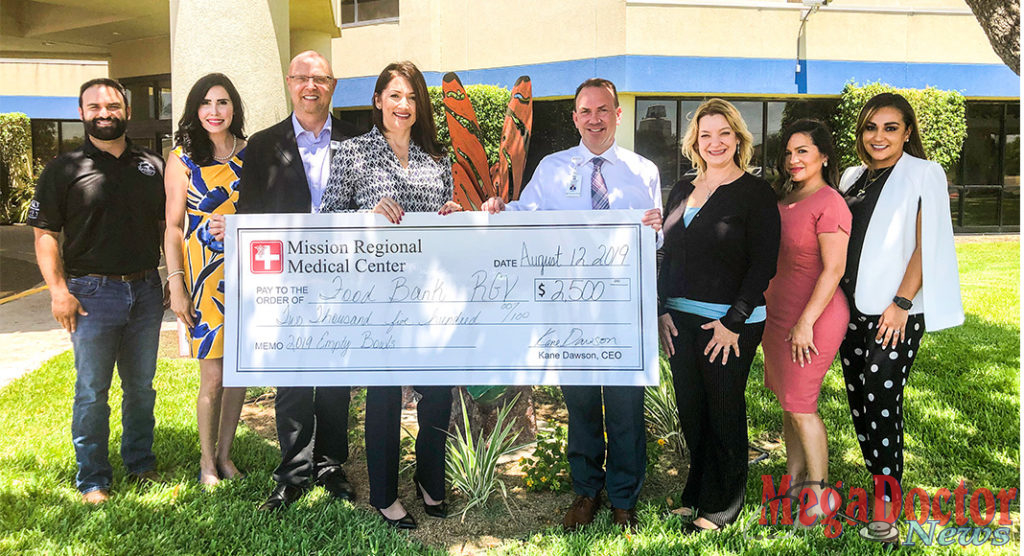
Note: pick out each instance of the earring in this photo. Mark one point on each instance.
(825, 164)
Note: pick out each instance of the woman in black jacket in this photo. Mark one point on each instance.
(721, 243)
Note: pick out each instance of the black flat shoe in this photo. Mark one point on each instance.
(404, 522)
(282, 496)
(437, 510)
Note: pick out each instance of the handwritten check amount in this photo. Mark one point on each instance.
(470, 298)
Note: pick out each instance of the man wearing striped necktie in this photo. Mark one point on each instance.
(618, 179)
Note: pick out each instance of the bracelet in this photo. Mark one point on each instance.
(176, 273)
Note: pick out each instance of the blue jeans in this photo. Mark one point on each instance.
(122, 326)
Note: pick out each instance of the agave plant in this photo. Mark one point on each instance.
(471, 465)
(661, 413)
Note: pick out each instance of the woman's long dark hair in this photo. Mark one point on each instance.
(913, 146)
(190, 135)
(424, 133)
(821, 136)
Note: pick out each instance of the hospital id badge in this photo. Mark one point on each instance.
(575, 185)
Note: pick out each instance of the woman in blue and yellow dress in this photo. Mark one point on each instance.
(202, 179)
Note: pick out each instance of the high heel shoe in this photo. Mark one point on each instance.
(439, 510)
(407, 521)
(691, 528)
(224, 476)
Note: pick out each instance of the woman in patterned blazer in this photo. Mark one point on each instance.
(398, 166)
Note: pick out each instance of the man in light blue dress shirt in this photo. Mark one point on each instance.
(316, 152)
(285, 171)
(597, 174)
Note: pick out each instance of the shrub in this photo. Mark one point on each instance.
(655, 448)
(940, 114)
(548, 467)
(471, 465)
(489, 104)
(16, 181)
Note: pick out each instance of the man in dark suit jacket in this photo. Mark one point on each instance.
(286, 169)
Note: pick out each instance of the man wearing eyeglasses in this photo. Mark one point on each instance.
(285, 171)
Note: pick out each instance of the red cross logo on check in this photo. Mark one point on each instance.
(265, 257)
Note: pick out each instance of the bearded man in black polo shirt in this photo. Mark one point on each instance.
(107, 197)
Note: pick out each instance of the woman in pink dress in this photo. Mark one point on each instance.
(807, 315)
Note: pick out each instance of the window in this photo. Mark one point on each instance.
(1011, 167)
(687, 108)
(72, 135)
(150, 126)
(140, 99)
(45, 140)
(752, 113)
(163, 100)
(661, 124)
(150, 100)
(54, 137)
(553, 131)
(984, 193)
(782, 113)
(361, 120)
(985, 185)
(980, 156)
(657, 136)
(364, 12)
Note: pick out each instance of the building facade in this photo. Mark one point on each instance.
(769, 57)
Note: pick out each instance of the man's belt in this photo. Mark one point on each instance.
(121, 277)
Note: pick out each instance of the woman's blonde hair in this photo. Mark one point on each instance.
(745, 147)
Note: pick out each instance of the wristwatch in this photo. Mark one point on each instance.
(903, 303)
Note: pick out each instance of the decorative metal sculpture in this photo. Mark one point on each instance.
(470, 174)
(515, 141)
(474, 181)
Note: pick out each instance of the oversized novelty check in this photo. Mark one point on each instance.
(470, 298)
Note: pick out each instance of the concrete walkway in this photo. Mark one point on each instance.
(29, 335)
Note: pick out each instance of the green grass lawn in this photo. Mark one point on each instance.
(962, 408)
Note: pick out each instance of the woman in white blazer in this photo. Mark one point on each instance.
(901, 274)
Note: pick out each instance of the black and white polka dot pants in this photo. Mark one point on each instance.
(875, 378)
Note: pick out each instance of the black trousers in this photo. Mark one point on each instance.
(383, 437)
(312, 428)
(623, 420)
(713, 416)
(875, 378)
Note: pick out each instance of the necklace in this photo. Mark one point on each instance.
(713, 188)
(234, 143)
(400, 151)
(861, 191)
